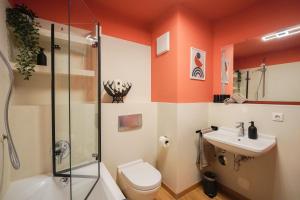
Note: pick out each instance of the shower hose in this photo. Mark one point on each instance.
(11, 147)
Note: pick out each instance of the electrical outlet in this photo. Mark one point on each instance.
(277, 117)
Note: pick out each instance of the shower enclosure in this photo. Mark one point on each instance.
(75, 100)
(54, 117)
(251, 82)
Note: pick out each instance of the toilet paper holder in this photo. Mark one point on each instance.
(164, 141)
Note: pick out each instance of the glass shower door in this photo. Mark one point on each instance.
(59, 97)
(84, 119)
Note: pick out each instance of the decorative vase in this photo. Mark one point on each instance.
(117, 90)
(42, 58)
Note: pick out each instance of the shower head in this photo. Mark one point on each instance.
(262, 68)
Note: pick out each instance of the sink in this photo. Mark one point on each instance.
(228, 139)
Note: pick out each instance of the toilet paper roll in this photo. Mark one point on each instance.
(164, 141)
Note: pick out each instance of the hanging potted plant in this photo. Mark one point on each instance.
(23, 27)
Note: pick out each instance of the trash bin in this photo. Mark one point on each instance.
(210, 184)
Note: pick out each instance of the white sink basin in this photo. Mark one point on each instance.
(228, 139)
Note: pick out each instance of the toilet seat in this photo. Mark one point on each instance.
(142, 176)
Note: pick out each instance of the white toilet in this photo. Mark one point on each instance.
(139, 180)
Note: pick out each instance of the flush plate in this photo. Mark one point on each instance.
(130, 122)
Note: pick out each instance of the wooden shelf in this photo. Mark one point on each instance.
(74, 72)
(64, 36)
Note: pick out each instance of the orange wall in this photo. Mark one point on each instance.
(261, 18)
(120, 26)
(84, 13)
(272, 58)
(170, 71)
(164, 67)
(193, 31)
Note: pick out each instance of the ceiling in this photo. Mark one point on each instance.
(256, 46)
(142, 12)
(146, 11)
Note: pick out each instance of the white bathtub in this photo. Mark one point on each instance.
(45, 187)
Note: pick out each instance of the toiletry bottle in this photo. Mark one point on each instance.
(41, 58)
(252, 131)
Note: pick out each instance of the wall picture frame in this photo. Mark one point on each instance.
(197, 64)
(224, 67)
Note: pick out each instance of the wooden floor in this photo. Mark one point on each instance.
(196, 194)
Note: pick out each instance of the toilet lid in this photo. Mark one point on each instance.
(142, 176)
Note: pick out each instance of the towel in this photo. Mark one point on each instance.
(201, 158)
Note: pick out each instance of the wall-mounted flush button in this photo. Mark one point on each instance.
(277, 117)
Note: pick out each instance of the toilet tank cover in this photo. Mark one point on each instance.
(142, 176)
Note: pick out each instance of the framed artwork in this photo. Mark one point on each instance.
(197, 64)
(224, 67)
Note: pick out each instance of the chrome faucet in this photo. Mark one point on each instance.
(62, 150)
(242, 129)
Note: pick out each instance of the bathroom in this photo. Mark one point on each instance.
(182, 67)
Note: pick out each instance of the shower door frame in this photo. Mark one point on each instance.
(63, 173)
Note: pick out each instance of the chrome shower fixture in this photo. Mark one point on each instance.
(13, 155)
(62, 150)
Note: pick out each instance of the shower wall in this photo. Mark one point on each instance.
(32, 139)
(30, 116)
(32, 98)
(4, 81)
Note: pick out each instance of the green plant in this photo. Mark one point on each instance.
(24, 28)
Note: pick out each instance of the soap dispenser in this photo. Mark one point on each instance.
(252, 131)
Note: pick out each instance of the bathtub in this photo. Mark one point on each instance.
(46, 187)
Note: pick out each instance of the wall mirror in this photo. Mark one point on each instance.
(267, 68)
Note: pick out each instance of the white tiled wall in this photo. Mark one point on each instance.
(191, 117)
(276, 175)
(128, 62)
(167, 158)
(179, 121)
(122, 147)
